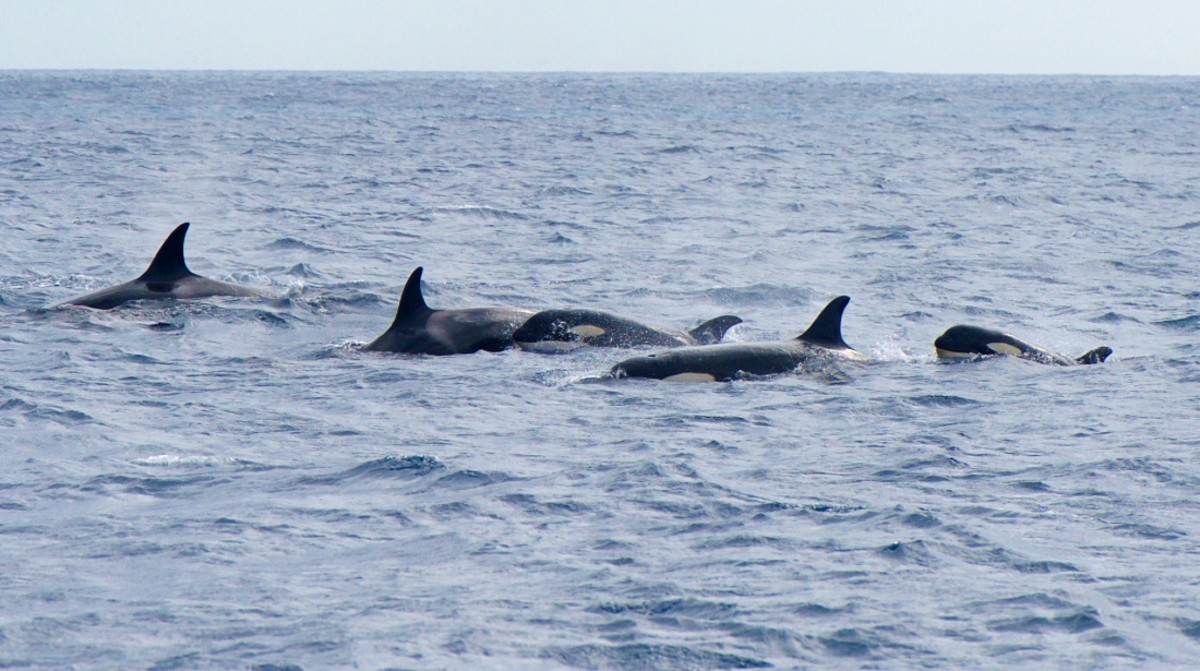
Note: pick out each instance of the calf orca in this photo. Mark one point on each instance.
(971, 342)
(418, 329)
(167, 277)
(713, 363)
(563, 330)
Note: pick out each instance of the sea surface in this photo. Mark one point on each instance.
(232, 483)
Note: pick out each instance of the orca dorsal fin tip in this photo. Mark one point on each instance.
(169, 264)
(412, 301)
(826, 329)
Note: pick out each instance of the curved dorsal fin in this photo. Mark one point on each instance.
(713, 330)
(168, 264)
(412, 304)
(826, 329)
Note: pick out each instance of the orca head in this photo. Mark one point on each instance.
(558, 331)
(967, 342)
(556, 325)
(655, 366)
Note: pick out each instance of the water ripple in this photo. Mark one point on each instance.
(649, 656)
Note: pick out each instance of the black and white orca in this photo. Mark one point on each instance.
(564, 330)
(972, 342)
(713, 363)
(418, 329)
(167, 277)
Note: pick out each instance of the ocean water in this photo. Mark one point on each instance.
(233, 484)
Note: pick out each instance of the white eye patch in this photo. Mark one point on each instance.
(587, 331)
(1004, 348)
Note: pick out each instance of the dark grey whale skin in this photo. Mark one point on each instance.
(729, 361)
(564, 329)
(168, 277)
(971, 342)
(418, 329)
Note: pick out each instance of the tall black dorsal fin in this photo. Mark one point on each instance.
(826, 329)
(713, 330)
(412, 304)
(168, 264)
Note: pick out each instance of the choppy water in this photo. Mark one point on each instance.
(230, 483)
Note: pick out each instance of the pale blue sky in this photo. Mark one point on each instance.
(1154, 37)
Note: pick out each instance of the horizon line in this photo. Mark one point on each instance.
(902, 73)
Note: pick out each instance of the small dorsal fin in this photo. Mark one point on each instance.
(1097, 355)
(168, 264)
(713, 330)
(826, 329)
(412, 304)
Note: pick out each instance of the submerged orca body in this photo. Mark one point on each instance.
(971, 342)
(562, 330)
(733, 360)
(167, 277)
(418, 329)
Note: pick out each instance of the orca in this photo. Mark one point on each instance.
(564, 330)
(418, 329)
(167, 277)
(972, 342)
(728, 361)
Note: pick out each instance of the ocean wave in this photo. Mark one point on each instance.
(167, 464)
(649, 656)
